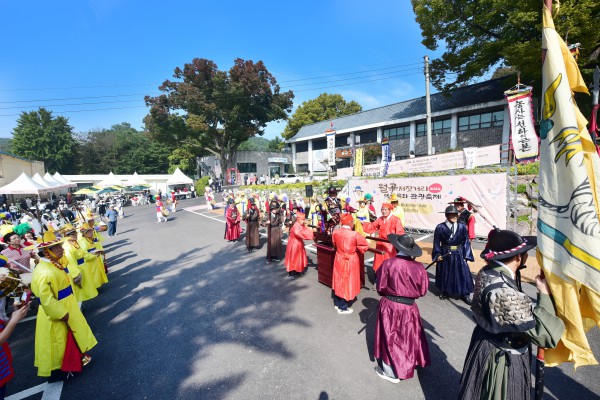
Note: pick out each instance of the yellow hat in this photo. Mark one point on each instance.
(67, 229)
(393, 198)
(4, 229)
(85, 227)
(49, 236)
(49, 240)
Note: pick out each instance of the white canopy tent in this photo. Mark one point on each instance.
(39, 180)
(179, 178)
(136, 180)
(24, 185)
(48, 178)
(59, 178)
(110, 180)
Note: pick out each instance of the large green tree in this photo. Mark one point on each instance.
(479, 36)
(212, 111)
(123, 150)
(41, 136)
(322, 108)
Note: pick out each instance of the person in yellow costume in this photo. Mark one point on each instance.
(58, 311)
(86, 288)
(92, 256)
(398, 211)
(97, 237)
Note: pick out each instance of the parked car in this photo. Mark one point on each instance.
(290, 178)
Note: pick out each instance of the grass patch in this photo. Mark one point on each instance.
(523, 218)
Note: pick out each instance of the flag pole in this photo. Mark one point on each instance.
(540, 361)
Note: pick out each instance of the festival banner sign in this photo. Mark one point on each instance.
(331, 148)
(424, 199)
(385, 156)
(358, 161)
(523, 138)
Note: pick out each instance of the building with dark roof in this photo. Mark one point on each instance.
(471, 116)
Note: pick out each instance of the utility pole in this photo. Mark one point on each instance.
(428, 102)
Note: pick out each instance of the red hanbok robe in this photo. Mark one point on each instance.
(400, 339)
(295, 254)
(233, 228)
(385, 226)
(346, 265)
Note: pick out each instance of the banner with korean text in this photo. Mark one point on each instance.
(330, 148)
(524, 141)
(385, 156)
(358, 162)
(424, 199)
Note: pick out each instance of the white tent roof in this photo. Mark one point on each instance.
(53, 182)
(110, 180)
(136, 180)
(40, 181)
(59, 178)
(179, 178)
(24, 185)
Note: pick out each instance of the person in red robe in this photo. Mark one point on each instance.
(233, 229)
(400, 343)
(385, 225)
(465, 216)
(295, 254)
(346, 265)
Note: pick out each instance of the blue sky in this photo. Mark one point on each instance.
(75, 56)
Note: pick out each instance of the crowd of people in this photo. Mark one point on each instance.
(58, 268)
(508, 323)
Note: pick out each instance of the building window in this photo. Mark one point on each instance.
(479, 121)
(246, 167)
(302, 168)
(421, 130)
(301, 147)
(402, 132)
(441, 127)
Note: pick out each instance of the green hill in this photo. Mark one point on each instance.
(5, 144)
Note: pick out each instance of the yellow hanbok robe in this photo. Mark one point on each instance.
(75, 257)
(94, 261)
(398, 211)
(53, 287)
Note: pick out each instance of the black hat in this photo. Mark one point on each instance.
(503, 244)
(230, 201)
(458, 200)
(405, 244)
(273, 204)
(332, 189)
(451, 209)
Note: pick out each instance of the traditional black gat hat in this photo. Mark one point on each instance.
(451, 209)
(405, 244)
(332, 190)
(458, 200)
(503, 244)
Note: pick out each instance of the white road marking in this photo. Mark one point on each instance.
(423, 237)
(51, 391)
(28, 319)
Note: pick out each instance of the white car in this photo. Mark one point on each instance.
(290, 178)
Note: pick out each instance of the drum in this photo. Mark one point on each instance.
(165, 212)
(9, 283)
(101, 228)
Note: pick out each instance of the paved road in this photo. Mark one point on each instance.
(187, 315)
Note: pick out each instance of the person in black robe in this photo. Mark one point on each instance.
(452, 250)
(252, 221)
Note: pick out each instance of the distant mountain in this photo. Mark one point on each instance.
(255, 143)
(6, 144)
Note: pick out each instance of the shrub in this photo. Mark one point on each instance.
(201, 184)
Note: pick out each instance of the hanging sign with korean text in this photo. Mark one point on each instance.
(524, 141)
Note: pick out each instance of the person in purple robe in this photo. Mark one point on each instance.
(400, 341)
(452, 250)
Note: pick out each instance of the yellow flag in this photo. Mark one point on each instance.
(568, 224)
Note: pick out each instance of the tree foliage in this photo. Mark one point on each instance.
(481, 35)
(123, 150)
(255, 143)
(214, 111)
(326, 106)
(276, 144)
(41, 136)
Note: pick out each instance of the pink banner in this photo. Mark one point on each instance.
(425, 199)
